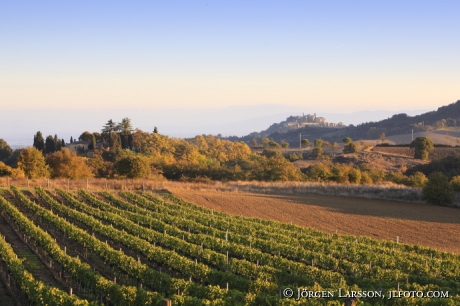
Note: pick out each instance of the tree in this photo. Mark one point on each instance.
(110, 126)
(285, 145)
(349, 146)
(455, 183)
(437, 190)
(62, 143)
(422, 147)
(68, 165)
(318, 150)
(5, 150)
(114, 141)
(126, 131)
(92, 144)
(50, 145)
(273, 144)
(32, 162)
(71, 139)
(305, 142)
(133, 167)
(347, 140)
(155, 130)
(11, 172)
(57, 143)
(382, 137)
(86, 136)
(39, 142)
(264, 141)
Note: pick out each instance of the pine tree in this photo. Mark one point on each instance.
(71, 139)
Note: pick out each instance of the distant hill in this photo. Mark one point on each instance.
(445, 117)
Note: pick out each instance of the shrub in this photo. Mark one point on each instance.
(366, 178)
(438, 191)
(422, 147)
(354, 176)
(455, 183)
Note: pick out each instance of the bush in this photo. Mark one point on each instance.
(133, 167)
(455, 183)
(350, 148)
(438, 191)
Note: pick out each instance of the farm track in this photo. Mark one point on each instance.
(413, 223)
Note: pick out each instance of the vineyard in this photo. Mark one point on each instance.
(146, 248)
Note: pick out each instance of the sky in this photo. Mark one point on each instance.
(333, 56)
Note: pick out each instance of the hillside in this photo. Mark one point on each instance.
(445, 117)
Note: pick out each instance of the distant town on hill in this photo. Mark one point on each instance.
(313, 127)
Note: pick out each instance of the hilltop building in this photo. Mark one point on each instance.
(296, 122)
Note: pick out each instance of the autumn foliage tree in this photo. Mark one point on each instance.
(32, 162)
(65, 164)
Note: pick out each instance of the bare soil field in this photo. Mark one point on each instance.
(414, 223)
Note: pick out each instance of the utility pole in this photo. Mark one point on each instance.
(300, 140)
(412, 134)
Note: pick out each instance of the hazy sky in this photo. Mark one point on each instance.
(333, 55)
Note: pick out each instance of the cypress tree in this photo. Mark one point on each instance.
(57, 143)
(39, 142)
(71, 139)
(50, 146)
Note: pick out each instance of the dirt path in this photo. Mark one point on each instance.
(32, 263)
(414, 223)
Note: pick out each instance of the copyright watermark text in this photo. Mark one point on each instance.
(305, 293)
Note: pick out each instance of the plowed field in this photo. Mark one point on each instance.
(423, 224)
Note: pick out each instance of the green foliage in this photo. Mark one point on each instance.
(133, 167)
(273, 144)
(285, 145)
(295, 156)
(437, 190)
(347, 140)
(350, 148)
(114, 142)
(422, 147)
(449, 165)
(455, 183)
(417, 180)
(32, 162)
(354, 176)
(305, 142)
(318, 143)
(86, 136)
(92, 144)
(319, 172)
(5, 150)
(39, 141)
(50, 145)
